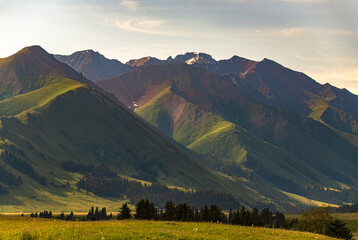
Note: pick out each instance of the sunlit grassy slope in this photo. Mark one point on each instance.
(14, 227)
(225, 145)
(20, 103)
(321, 108)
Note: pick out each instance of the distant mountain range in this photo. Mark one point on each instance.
(249, 119)
(266, 134)
(93, 65)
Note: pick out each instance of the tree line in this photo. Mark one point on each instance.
(97, 171)
(146, 210)
(316, 220)
(22, 166)
(345, 208)
(336, 196)
(9, 178)
(3, 190)
(158, 193)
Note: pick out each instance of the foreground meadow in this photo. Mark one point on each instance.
(27, 228)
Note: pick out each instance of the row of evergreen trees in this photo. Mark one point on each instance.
(48, 214)
(45, 214)
(9, 178)
(315, 192)
(146, 210)
(159, 194)
(22, 166)
(98, 215)
(317, 220)
(262, 218)
(3, 190)
(346, 208)
(97, 171)
(69, 217)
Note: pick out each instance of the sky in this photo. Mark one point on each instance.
(317, 37)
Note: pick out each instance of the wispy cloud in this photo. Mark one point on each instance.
(131, 5)
(145, 25)
(292, 32)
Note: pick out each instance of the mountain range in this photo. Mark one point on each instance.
(260, 132)
(247, 118)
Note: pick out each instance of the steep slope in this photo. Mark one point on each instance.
(274, 84)
(206, 112)
(280, 86)
(67, 120)
(93, 65)
(17, 76)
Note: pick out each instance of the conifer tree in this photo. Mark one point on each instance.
(124, 212)
(205, 214)
(338, 229)
(145, 210)
(170, 211)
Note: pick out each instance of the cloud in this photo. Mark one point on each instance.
(140, 25)
(131, 5)
(292, 32)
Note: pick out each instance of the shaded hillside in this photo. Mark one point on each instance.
(274, 84)
(93, 65)
(235, 132)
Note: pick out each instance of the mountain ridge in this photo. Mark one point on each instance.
(93, 65)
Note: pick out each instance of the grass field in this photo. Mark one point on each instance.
(21, 227)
